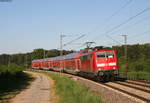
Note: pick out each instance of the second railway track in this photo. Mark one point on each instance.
(136, 83)
(133, 91)
(132, 86)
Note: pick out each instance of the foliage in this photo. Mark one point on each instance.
(138, 60)
(11, 70)
(138, 57)
(26, 58)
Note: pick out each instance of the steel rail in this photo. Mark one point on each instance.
(127, 85)
(131, 94)
(130, 82)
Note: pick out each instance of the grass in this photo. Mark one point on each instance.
(12, 81)
(70, 91)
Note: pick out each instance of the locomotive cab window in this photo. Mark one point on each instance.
(100, 55)
(110, 54)
(107, 54)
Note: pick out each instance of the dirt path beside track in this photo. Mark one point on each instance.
(40, 91)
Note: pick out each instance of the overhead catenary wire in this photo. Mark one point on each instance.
(132, 38)
(112, 15)
(68, 43)
(133, 25)
(139, 40)
(128, 20)
(125, 22)
(140, 34)
(114, 39)
(108, 19)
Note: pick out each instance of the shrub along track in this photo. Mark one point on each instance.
(111, 91)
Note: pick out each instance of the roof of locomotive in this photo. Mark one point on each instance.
(101, 50)
(104, 50)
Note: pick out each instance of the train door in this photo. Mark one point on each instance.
(78, 64)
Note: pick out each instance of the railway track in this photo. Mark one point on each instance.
(132, 86)
(143, 88)
(129, 93)
(133, 92)
(136, 83)
(140, 81)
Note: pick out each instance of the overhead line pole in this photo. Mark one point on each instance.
(9, 60)
(43, 54)
(26, 60)
(125, 53)
(61, 44)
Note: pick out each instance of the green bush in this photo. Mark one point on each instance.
(10, 70)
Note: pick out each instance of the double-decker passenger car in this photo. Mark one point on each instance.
(100, 64)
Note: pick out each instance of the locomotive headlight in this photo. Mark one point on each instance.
(112, 64)
(101, 65)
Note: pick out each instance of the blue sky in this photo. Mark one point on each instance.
(29, 24)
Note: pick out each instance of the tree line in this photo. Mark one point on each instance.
(138, 57)
(24, 59)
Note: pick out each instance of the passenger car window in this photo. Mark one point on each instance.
(83, 57)
(86, 57)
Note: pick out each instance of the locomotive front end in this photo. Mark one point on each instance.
(106, 63)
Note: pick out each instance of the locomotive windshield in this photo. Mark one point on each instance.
(106, 54)
(109, 54)
(101, 55)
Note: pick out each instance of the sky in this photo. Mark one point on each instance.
(30, 24)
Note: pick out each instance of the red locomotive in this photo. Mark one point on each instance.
(101, 64)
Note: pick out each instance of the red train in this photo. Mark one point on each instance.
(100, 64)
